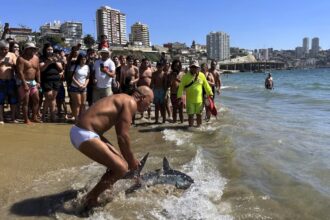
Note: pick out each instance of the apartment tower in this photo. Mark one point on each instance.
(218, 45)
(140, 34)
(111, 22)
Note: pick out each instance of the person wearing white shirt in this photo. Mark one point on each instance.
(105, 72)
(78, 87)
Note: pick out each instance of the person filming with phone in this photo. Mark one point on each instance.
(8, 89)
(105, 72)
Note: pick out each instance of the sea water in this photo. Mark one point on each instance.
(264, 157)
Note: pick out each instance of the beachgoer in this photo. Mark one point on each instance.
(60, 97)
(158, 85)
(122, 64)
(269, 83)
(137, 63)
(167, 67)
(104, 73)
(129, 76)
(78, 87)
(91, 57)
(216, 75)
(87, 136)
(29, 73)
(104, 43)
(145, 78)
(193, 83)
(174, 81)
(51, 73)
(8, 87)
(211, 81)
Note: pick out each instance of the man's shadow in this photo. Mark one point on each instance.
(45, 205)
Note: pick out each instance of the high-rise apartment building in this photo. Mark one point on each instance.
(315, 46)
(218, 45)
(111, 22)
(306, 45)
(140, 34)
(72, 32)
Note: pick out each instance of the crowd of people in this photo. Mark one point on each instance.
(34, 83)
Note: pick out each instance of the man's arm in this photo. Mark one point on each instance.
(124, 141)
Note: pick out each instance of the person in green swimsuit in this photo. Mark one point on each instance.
(193, 83)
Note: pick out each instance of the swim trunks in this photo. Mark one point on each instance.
(79, 135)
(8, 90)
(159, 96)
(32, 88)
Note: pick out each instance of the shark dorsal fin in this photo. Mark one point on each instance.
(137, 172)
(166, 165)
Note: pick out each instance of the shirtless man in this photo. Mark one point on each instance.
(87, 136)
(29, 74)
(216, 76)
(174, 81)
(7, 81)
(269, 83)
(158, 85)
(145, 78)
(129, 76)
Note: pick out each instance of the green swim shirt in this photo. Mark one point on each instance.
(194, 93)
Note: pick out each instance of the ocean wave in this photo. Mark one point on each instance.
(203, 199)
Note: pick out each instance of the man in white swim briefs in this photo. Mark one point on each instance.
(87, 136)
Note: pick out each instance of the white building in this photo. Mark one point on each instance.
(51, 29)
(140, 34)
(315, 46)
(306, 45)
(218, 45)
(112, 23)
(72, 32)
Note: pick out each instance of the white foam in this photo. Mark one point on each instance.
(180, 137)
(202, 200)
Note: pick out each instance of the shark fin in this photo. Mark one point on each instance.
(166, 165)
(134, 173)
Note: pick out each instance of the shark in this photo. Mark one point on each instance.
(166, 175)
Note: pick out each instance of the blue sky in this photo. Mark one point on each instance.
(251, 24)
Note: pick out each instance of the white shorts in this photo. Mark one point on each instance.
(79, 135)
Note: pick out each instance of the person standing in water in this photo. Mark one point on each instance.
(269, 83)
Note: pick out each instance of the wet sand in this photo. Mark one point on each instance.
(29, 153)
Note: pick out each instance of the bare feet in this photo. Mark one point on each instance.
(36, 120)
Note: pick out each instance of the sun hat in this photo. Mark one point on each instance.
(104, 50)
(30, 45)
(194, 63)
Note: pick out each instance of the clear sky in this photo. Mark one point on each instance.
(251, 24)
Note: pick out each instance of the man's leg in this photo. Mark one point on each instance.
(1, 114)
(106, 155)
(199, 119)
(191, 120)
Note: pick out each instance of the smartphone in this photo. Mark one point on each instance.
(102, 65)
(6, 61)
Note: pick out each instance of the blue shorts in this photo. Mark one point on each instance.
(159, 96)
(8, 89)
(77, 90)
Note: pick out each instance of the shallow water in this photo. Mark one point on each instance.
(265, 157)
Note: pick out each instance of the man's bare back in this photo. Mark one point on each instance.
(108, 112)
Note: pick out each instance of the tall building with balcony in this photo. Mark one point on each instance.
(72, 32)
(218, 45)
(140, 34)
(306, 45)
(112, 23)
(315, 46)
